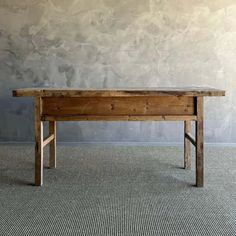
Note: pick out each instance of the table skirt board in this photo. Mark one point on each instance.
(79, 108)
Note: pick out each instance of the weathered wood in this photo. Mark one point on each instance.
(190, 138)
(200, 142)
(115, 106)
(187, 145)
(48, 140)
(67, 92)
(118, 118)
(147, 104)
(52, 150)
(38, 143)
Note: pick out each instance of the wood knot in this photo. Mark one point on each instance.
(112, 107)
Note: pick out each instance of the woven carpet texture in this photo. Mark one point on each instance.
(117, 190)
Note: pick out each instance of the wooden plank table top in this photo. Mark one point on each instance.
(119, 104)
(120, 92)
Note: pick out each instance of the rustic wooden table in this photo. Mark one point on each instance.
(146, 104)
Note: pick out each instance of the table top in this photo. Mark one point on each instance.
(118, 92)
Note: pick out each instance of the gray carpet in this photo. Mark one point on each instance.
(117, 191)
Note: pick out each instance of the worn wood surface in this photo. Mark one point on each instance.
(200, 142)
(187, 145)
(118, 118)
(38, 143)
(78, 92)
(190, 138)
(52, 148)
(115, 106)
(48, 140)
(151, 104)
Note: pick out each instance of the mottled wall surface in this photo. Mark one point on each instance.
(110, 43)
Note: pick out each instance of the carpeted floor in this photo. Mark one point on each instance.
(100, 190)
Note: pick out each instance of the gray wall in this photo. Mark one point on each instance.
(110, 43)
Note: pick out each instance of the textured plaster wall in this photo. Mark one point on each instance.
(110, 43)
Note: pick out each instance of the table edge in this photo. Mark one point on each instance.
(116, 93)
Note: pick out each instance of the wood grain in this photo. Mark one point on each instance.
(147, 104)
(52, 148)
(187, 146)
(113, 92)
(118, 106)
(38, 143)
(48, 140)
(190, 138)
(118, 118)
(200, 143)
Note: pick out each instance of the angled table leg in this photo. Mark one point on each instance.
(200, 142)
(38, 143)
(52, 150)
(187, 145)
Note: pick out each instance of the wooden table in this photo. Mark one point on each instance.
(148, 104)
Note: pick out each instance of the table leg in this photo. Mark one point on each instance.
(53, 157)
(200, 143)
(38, 143)
(187, 145)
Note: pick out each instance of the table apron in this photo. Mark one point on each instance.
(119, 108)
